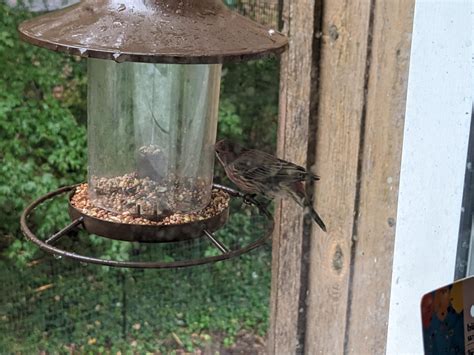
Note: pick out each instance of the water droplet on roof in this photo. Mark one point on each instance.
(118, 57)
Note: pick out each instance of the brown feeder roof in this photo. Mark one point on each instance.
(153, 31)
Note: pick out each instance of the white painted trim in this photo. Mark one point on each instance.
(437, 125)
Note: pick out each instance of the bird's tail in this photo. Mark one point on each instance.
(298, 194)
(315, 216)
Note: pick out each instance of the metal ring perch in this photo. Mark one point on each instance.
(48, 246)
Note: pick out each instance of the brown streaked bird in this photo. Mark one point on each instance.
(256, 172)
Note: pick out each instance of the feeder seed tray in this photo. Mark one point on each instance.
(205, 230)
(125, 226)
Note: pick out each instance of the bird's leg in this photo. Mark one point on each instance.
(249, 199)
(266, 203)
(262, 205)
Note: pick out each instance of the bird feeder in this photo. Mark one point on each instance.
(154, 70)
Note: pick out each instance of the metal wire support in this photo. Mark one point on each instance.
(55, 237)
(226, 254)
(216, 243)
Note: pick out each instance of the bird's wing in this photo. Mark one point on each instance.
(261, 166)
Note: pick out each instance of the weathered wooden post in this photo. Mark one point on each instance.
(343, 100)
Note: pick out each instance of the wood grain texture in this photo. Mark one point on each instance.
(330, 292)
(295, 91)
(341, 104)
(379, 177)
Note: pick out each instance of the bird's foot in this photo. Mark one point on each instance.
(249, 199)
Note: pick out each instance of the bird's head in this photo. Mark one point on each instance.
(228, 151)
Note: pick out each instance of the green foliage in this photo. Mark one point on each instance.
(249, 103)
(41, 144)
